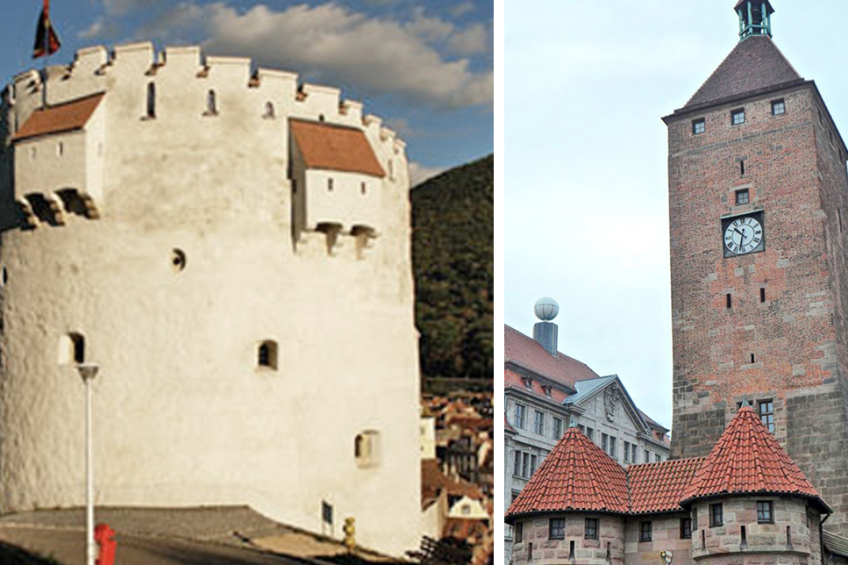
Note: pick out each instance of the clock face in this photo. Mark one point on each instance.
(743, 235)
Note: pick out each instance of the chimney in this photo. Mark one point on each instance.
(545, 332)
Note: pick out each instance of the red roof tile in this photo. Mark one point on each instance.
(576, 475)
(659, 487)
(61, 118)
(433, 480)
(748, 459)
(335, 148)
(528, 353)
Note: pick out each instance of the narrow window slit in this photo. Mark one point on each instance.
(762, 295)
(744, 539)
(742, 167)
(729, 300)
(752, 358)
(788, 535)
(571, 549)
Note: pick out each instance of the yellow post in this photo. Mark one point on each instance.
(350, 533)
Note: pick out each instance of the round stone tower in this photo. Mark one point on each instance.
(232, 249)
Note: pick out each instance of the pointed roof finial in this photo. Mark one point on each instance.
(754, 18)
(573, 422)
(745, 403)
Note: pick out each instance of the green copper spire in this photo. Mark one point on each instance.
(754, 18)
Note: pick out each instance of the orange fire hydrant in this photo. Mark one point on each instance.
(105, 538)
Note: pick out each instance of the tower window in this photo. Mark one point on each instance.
(557, 528)
(211, 103)
(519, 532)
(72, 349)
(330, 185)
(752, 359)
(686, 528)
(762, 295)
(729, 300)
(742, 168)
(766, 410)
(327, 513)
(744, 537)
(716, 515)
(764, 512)
(266, 355)
(742, 196)
(591, 531)
(645, 531)
(778, 107)
(699, 126)
(269, 110)
(570, 549)
(363, 188)
(366, 449)
(737, 117)
(151, 100)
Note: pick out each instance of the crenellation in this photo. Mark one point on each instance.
(89, 60)
(133, 56)
(232, 72)
(183, 59)
(321, 102)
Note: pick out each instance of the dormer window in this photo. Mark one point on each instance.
(528, 383)
(547, 391)
(737, 117)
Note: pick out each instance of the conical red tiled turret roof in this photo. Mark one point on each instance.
(748, 459)
(576, 475)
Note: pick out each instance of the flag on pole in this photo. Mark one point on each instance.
(46, 40)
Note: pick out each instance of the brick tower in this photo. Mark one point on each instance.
(758, 205)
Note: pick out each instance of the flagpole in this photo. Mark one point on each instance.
(46, 45)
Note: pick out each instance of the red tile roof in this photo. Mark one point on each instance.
(748, 459)
(528, 353)
(335, 148)
(60, 118)
(659, 487)
(433, 480)
(576, 475)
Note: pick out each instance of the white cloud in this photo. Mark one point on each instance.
(473, 40)
(377, 56)
(419, 173)
(172, 24)
(120, 7)
(94, 30)
(461, 9)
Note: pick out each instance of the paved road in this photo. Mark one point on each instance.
(68, 548)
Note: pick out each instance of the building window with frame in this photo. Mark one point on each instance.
(627, 452)
(764, 512)
(778, 107)
(645, 531)
(525, 464)
(604, 443)
(737, 117)
(699, 126)
(686, 528)
(557, 428)
(591, 531)
(633, 455)
(694, 519)
(766, 409)
(518, 530)
(716, 515)
(532, 465)
(612, 451)
(539, 422)
(647, 456)
(590, 433)
(657, 458)
(519, 416)
(517, 467)
(742, 197)
(557, 528)
(515, 494)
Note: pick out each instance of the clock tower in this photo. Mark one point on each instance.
(758, 205)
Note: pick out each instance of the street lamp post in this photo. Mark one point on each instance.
(88, 371)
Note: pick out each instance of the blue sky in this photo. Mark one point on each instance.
(585, 191)
(424, 67)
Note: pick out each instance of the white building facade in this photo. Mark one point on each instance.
(233, 249)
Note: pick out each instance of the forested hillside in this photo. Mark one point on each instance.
(452, 252)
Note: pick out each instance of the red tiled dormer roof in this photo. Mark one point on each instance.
(60, 118)
(659, 487)
(748, 459)
(335, 148)
(529, 354)
(576, 475)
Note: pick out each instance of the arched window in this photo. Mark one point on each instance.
(72, 349)
(151, 100)
(269, 111)
(211, 103)
(366, 448)
(266, 355)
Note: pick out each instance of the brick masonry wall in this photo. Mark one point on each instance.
(586, 551)
(665, 536)
(797, 335)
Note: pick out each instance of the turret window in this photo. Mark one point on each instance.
(519, 532)
(764, 512)
(366, 449)
(266, 355)
(716, 515)
(686, 528)
(211, 103)
(737, 117)
(645, 533)
(591, 531)
(557, 528)
(269, 111)
(766, 410)
(151, 100)
(72, 349)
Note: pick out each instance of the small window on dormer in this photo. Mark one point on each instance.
(547, 391)
(528, 383)
(778, 107)
(737, 117)
(699, 126)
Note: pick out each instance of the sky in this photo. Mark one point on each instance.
(424, 67)
(585, 179)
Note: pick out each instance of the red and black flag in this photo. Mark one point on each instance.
(46, 40)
